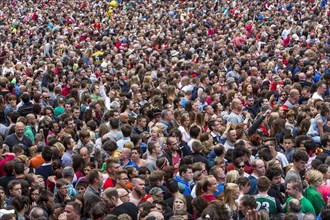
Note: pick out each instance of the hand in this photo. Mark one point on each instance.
(252, 215)
(62, 216)
(8, 154)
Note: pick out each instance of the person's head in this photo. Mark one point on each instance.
(37, 213)
(154, 148)
(138, 185)
(243, 184)
(172, 143)
(110, 196)
(247, 203)
(46, 199)
(197, 146)
(157, 193)
(95, 178)
(112, 165)
(294, 206)
(288, 142)
(274, 174)
(195, 131)
(68, 173)
(231, 176)
(123, 194)
(15, 188)
(186, 172)
(315, 178)
(85, 154)
(62, 187)
(258, 167)
(300, 159)
(21, 203)
(47, 154)
(231, 193)
(294, 188)
(121, 178)
(179, 203)
(72, 210)
(19, 129)
(125, 154)
(239, 165)
(263, 184)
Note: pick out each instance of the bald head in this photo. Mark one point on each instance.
(302, 76)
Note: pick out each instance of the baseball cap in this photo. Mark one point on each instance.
(156, 191)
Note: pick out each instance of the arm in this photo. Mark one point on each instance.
(256, 124)
(320, 127)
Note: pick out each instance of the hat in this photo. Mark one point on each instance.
(156, 191)
(174, 53)
(295, 37)
(285, 108)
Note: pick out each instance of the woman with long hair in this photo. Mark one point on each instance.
(179, 203)
(231, 194)
(185, 127)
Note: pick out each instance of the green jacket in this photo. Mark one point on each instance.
(28, 132)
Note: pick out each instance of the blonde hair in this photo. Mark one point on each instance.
(315, 178)
(231, 176)
(129, 145)
(183, 199)
(228, 194)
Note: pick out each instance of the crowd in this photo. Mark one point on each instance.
(155, 109)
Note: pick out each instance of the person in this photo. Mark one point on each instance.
(21, 205)
(111, 197)
(276, 190)
(185, 176)
(15, 190)
(258, 167)
(138, 192)
(231, 194)
(300, 159)
(46, 201)
(264, 201)
(19, 138)
(295, 208)
(71, 211)
(93, 191)
(155, 150)
(247, 204)
(294, 189)
(46, 169)
(315, 179)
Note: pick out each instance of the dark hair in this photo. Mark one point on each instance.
(273, 171)
(44, 196)
(194, 131)
(300, 155)
(47, 154)
(19, 202)
(94, 174)
(172, 186)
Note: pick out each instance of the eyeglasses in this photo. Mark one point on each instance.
(124, 195)
(241, 166)
(64, 188)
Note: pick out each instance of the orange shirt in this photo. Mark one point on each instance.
(37, 161)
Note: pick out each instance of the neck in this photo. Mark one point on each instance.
(137, 195)
(262, 193)
(154, 155)
(298, 196)
(236, 111)
(95, 187)
(119, 202)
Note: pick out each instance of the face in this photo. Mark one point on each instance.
(125, 197)
(187, 176)
(287, 144)
(139, 186)
(276, 181)
(81, 190)
(260, 168)
(35, 195)
(290, 190)
(213, 187)
(51, 202)
(63, 190)
(85, 155)
(122, 180)
(19, 130)
(327, 174)
(70, 212)
(236, 193)
(300, 165)
(240, 168)
(16, 191)
(178, 204)
(87, 170)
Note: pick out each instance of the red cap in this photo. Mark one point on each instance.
(285, 107)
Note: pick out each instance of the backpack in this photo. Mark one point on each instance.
(194, 93)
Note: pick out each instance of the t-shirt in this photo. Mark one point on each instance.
(266, 202)
(306, 205)
(315, 198)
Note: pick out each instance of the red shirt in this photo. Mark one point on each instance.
(209, 197)
(2, 164)
(109, 183)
